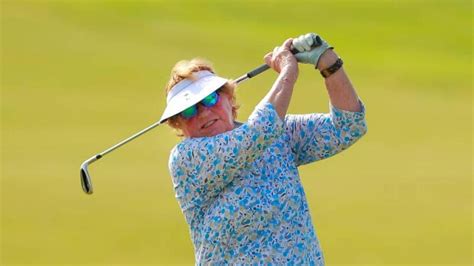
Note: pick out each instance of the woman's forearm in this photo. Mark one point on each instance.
(280, 93)
(282, 61)
(341, 92)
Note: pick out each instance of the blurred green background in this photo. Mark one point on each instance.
(79, 76)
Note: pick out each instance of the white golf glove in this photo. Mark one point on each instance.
(309, 49)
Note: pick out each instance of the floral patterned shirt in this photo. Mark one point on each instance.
(241, 193)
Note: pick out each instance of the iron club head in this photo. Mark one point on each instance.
(86, 179)
(85, 176)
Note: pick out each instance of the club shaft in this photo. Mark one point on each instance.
(123, 142)
(252, 73)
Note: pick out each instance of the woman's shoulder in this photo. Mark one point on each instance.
(190, 146)
(181, 149)
(183, 146)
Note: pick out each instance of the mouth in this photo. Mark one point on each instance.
(209, 123)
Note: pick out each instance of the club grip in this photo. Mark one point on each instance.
(257, 71)
(316, 42)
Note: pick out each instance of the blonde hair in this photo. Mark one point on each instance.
(184, 69)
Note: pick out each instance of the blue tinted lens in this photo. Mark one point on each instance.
(189, 112)
(210, 100)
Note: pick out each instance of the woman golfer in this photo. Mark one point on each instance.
(238, 183)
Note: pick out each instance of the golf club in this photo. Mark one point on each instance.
(85, 176)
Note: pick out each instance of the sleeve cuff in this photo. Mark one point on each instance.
(341, 117)
(341, 112)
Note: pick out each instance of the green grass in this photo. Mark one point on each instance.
(79, 76)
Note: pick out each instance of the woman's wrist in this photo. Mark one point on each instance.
(289, 74)
(327, 59)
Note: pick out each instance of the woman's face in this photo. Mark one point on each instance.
(209, 121)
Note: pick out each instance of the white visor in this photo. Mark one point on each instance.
(189, 92)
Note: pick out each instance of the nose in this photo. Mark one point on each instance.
(203, 111)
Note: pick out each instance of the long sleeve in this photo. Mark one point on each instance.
(318, 136)
(202, 167)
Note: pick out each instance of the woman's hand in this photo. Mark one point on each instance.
(282, 60)
(310, 49)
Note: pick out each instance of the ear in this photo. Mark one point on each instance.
(180, 122)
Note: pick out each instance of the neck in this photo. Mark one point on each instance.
(237, 124)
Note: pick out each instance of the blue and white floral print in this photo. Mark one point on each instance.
(241, 193)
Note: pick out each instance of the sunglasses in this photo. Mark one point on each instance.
(209, 101)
